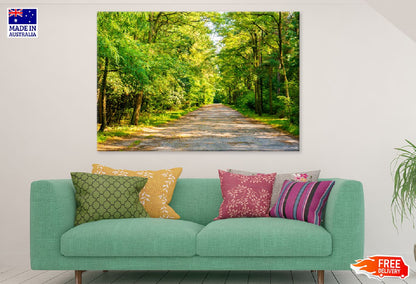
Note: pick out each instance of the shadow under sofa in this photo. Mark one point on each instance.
(195, 242)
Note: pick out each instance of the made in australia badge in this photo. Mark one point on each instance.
(22, 23)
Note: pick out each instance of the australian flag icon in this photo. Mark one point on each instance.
(22, 16)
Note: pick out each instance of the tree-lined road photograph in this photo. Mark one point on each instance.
(198, 81)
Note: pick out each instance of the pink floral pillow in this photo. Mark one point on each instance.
(245, 196)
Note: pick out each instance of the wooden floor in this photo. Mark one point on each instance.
(15, 275)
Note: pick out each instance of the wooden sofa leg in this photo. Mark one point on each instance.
(78, 276)
(321, 276)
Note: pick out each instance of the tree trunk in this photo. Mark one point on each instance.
(256, 72)
(154, 26)
(278, 81)
(260, 74)
(102, 115)
(137, 107)
(261, 95)
(270, 89)
(151, 28)
(282, 65)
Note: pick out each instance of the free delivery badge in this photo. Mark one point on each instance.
(22, 23)
(380, 266)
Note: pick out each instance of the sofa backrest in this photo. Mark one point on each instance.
(197, 199)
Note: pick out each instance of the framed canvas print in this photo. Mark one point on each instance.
(198, 81)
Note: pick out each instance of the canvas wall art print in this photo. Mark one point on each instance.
(198, 81)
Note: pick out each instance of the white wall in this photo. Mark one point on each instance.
(357, 103)
(400, 12)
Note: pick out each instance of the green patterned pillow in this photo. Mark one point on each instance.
(107, 197)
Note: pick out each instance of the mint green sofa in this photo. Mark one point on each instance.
(195, 242)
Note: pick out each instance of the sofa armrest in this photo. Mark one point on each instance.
(52, 212)
(344, 219)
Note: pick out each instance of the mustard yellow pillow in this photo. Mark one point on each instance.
(156, 194)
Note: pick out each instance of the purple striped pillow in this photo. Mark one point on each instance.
(302, 201)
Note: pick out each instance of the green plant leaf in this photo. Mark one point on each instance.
(403, 202)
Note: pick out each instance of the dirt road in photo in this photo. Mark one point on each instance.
(214, 127)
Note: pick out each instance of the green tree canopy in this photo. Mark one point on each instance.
(151, 62)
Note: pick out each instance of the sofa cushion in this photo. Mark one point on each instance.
(156, 194)
(263, 237)
(131, 237)
(107, 197)
(302, 201)
(245, 196)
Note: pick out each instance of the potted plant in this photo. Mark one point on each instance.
(403, 204)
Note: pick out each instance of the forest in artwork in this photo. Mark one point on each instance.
(154, 67)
